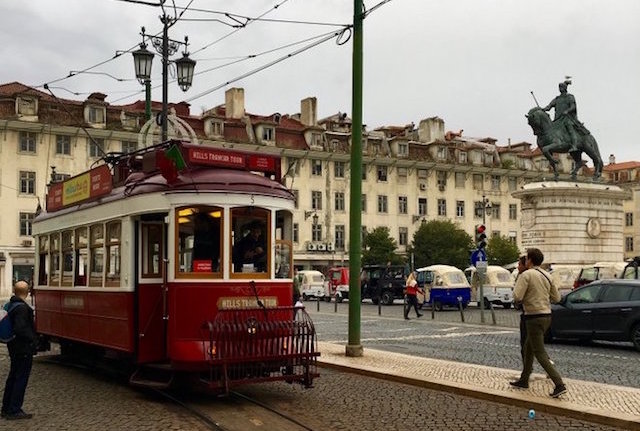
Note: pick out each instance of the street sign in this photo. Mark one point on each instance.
(478, 255)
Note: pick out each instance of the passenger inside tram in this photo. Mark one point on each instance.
(250, 253)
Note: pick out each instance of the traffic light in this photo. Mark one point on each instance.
(481, 236)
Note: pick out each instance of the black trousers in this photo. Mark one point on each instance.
(16, 384)
(412, 301)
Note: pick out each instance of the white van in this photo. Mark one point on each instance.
(311, 284)
(497, 287)
(563, 276)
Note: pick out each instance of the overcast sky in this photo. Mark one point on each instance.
(472, 63)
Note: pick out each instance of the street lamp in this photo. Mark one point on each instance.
(142, 59)
(308, 214)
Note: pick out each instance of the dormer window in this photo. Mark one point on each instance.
(442, 153)
(488, 159)
(95, 115)
(26, 106)
(462, 157)
(403, 149)
(316, 140)
(214, 127)
(268, 134)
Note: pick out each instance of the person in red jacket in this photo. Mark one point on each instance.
(21, 351)
(412, 289)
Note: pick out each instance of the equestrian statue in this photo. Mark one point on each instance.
(565, 134)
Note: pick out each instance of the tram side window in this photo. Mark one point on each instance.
(284, 244)
(199, 239)
(152, 250)
(113, 254)
(81, 257)
(250, 236)
(67, 258)
(43, 263)
(54, 271)
(96, 266)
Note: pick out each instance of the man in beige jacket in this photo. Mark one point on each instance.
(535, 291)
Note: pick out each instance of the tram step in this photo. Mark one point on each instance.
(152, 378)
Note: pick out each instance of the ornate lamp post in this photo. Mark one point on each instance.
(142, 59)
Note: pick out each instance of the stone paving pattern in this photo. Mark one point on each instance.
(583, 398)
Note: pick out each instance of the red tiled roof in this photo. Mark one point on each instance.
(13, 88)
(621, 166)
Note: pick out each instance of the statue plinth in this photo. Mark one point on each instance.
(573, 222)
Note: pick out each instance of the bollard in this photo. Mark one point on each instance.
(379, 307)
(335, 305)
(493, 313)
(433, 310)
(318, 305)
(461, 308)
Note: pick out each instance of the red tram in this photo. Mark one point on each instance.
(178, 260)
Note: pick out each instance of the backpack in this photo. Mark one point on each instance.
(6, 327)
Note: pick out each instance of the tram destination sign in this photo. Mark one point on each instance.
(81, 188)
(233, 159)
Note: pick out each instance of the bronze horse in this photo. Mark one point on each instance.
(554, 138)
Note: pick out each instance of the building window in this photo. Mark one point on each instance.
(268, 134)
(28, 142)
(58, 177)
(488, 159)
(513, 184)
(339, 237)
(403, 236)
(364, 172)
(441, 153)
(296, 232)
(628, 219)
(316, 139)
(96, 147)
(338, 169)
(316, 232)
(460, 179)
(422, 173)
(293, 167)
(217, 128)
(382, 173)
(339, 201)
(628, 243)
(363, 203)
(403, 149)
(296, 198)
(495, 182)
(63, 144)
(26, 221)
(316, 200)
(462, 157)
(513, 237)
(27, 182)
(382, 204)
(422, 206)
(316, 167)
(459, 208)
(129, 146)
(495, 210)
(442, 207)
(96, 114)
(403, 205)
(402, 174)
(513, 211)
(477, 181)
(442, 179)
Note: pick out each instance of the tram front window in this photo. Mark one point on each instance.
(199, 239)
(250, 240)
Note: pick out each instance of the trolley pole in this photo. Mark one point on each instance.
(354, 346)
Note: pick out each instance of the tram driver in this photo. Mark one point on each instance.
(251, 251)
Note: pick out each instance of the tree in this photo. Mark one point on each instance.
(379, 248)
(501, 251)
(441, 242)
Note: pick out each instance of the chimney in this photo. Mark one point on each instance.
(431, 129)
(308, 111)
(612, 159)
(234, 103)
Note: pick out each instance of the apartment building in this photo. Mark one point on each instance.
(410, 173)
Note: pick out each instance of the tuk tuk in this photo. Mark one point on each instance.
(498, 286)
(444, 285)
(338, 284)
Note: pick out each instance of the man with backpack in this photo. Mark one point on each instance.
(21, 350)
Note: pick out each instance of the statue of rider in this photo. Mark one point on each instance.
(566, 113)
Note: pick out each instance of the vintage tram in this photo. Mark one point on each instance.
(146, 258)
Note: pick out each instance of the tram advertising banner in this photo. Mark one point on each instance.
(83, 187)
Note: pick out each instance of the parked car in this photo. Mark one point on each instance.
(312, 284)
(630, 271)
(337, 284)
(497, 288)
(383, 283)
(606, 310)
(564, 277)
(599, 271)
(443, 285)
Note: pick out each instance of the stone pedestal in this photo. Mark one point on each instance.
(573, 222)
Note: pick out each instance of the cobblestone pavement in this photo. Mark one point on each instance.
(447, 338)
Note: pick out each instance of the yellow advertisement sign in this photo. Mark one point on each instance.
(76, 189)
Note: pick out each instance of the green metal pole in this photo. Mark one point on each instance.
(354, 348)
(147, 99)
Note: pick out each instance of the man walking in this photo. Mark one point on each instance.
(21, 351)
(535, 291)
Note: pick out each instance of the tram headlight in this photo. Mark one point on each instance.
(212, 350)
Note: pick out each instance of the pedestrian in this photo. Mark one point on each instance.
(522, 267)
(412, 288)
(535, 291)
(297, 281)
(21, 351)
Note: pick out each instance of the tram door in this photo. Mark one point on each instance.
(151, 328)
